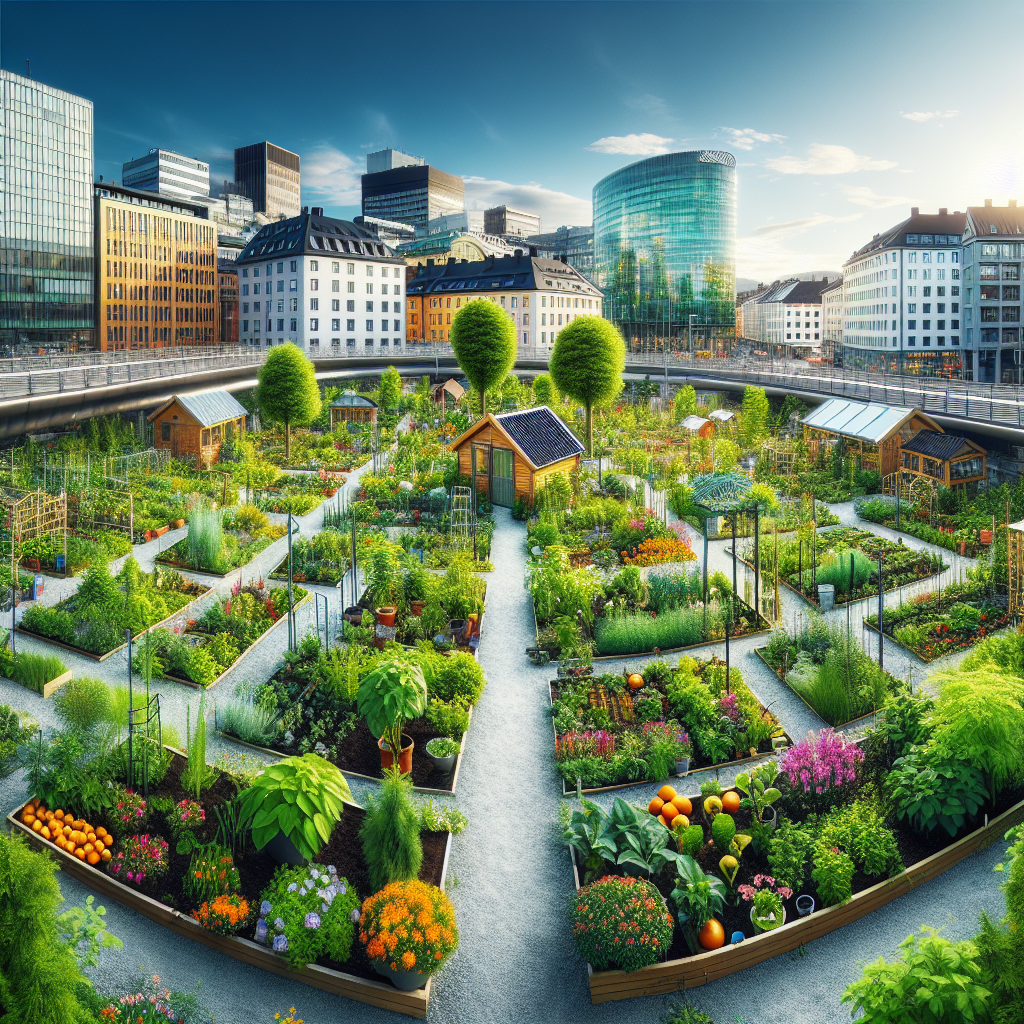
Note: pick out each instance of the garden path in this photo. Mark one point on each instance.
(510, 878)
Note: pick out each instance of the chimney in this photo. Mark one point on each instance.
(451, 261)
(914, 211)
(518, 253)
(988, 202)
(1012, 203)
(533, 248)
(318, 211)
(430, 261)
(943, 211)
(305, 209)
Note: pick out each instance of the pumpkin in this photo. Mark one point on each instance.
(712, 935)
(683, 804)
(635, 681)
(655, 806)
(731, 802)
(92, 857)
(667, 794)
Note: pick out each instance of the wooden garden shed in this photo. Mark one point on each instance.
(194, 426)
(871, 432)
(352, 408)
(512, 454)
(945, 459)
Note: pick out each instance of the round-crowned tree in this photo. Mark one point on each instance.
(587, 363)
(483, 337)
(390, 392)
(287, 391)
(544, 390)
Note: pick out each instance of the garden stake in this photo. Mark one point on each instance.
(734, 564)
(881, 611)
(757, 564)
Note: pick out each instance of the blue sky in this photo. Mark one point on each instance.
(841, 114)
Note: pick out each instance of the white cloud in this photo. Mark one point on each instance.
(766, 259)
(747, 138)
(928, 115)
(787, 226)
(644, 144)
(862, 195)
(823, 159)
(332, 175)
(555, 208)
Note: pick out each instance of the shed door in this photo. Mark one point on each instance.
(176, 441)
(502, 483)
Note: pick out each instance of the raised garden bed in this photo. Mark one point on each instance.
(614, 733)
(97, 625)
(42, 674)
(219, 543)
(682, 971)
(933, 625)
(900, 565)
(163, 900)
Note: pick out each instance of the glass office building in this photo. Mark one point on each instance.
(46, 229)
(665, 248)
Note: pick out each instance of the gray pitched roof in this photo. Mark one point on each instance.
(540, 435)
(350, 400)
(523, 271)
(917, 224)
(934, 445)
(313, 234)
(210, 407)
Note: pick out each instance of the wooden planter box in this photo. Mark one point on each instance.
(243, 655)
(375, 993)
(673, 975)
(369, 778)
(50, 688)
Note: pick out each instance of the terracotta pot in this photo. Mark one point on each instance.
(473, 620)
(161, 530)
(416, 607)
(178, 523)
(386, 614)
(404, 757)
(149, 535)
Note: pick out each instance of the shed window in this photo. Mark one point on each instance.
(165, 431)
(216, 433)
(206, 438)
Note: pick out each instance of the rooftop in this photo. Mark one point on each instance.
(949, 227)
(314, 234)
(521, 272)
(935, 445)
(350, 400)
(1006, 220)
(866, 421)
(208, 407)
(540, 435)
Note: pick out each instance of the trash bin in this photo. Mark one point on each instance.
(826, 596)
(37, 588)
(60, 563)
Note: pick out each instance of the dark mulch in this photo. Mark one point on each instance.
(360, 753)
(256, 868)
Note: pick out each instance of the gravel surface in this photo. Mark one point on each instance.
(509, 877)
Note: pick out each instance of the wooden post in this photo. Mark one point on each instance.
(881, 612)
(757, 565)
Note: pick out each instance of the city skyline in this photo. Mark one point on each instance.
(833, 143)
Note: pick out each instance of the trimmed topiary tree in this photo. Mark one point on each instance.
(390, 393)
(483, 337)
(587, 363)
(544, 392)
(287, 391)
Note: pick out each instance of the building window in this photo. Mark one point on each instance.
(369, 307)
(165, 431)
(294, 326)
(293, 285)
(350, 325)
(369, 273)
(369, 325)
(245, 326)
(313, 303)
(314, 323)
(206, 439)
(336, 325)
(350, 306)
(1011, 314)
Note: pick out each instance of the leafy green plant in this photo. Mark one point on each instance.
(723, 829)
(450, 719)
(633, 838)
(933, 981)
(84, 703)
(930, 791)
(198, 775)
(392, 693)
(691, 840)
(85, 932)
(697, 897)
(757, 786)
(789, 850)
(582, 829)
(443, 746)
(34, 671)
(250, 722)
(442, 818)
(833, 875)
(300, 797)
(390, 833)
(767, 910)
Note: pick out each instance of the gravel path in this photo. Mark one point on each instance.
(509, 877)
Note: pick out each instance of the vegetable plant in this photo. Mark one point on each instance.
(300, 797)
(931, 790)
(390, 694)
(756, 786)
(697, 898)
(633, 837)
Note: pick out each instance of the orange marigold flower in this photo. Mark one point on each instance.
(408, 960)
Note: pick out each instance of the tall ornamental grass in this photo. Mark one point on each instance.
(637, 633)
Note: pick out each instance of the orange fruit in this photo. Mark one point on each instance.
(667, 822)
(58, 813)
(683, 804)
(731, 802)
(88, 847)
(37, 825)
(667, 793)
(79, 824)
(635, 681)
(101, 832)
(92, 858)
(712, 935)
(45, 832)
(105, 856)
(91, 836)
(67, 831)
(80, 854)
(655, 806)
(27, 816)
(99, 846)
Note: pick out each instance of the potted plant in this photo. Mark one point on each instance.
(804, 905)
(388, 696)
(767, 912)
(443, 751)
(409, 931)
(294, 805)
(383, 583)
(698, 898)
(756, 786)
(684, 752)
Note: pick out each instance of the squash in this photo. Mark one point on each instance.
(712, 935)
(731, 802)
(635, 681)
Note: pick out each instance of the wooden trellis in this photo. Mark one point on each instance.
(913, 490)
(30, 514)
(784, 454)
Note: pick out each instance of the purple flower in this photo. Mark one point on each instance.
(312, 920)
(280, 943)
(278, 924)
(292, 887)
(331, 869)
(354, 916)
(261, 931)
(822, 762)
(265, 908)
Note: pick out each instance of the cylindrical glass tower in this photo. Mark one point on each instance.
(665, 248)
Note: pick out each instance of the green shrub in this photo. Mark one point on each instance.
(84, 703)
(458, 675)
(249, 722)
(835, 570)
(692, 840)
(723, 829)
(448, 719)
(789, 850)
(833, 875)
(390, 833)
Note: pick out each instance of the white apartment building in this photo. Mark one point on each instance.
(324, 284)
(787, 317)
(167, 172)
(902, 296)
(832, 321)
(993, 246)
